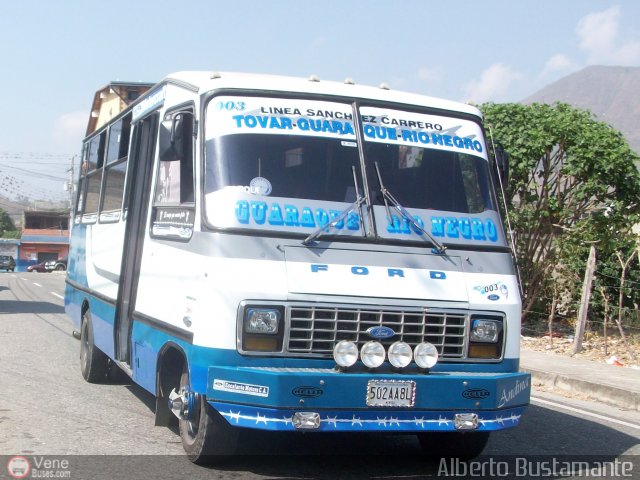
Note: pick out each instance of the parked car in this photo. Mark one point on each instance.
(7, 263)
(38, 267)
(58, 265)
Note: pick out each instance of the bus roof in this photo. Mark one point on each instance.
(205, 81)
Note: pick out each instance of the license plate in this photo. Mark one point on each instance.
(391, 393)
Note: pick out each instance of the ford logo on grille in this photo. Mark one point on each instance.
(380, 332)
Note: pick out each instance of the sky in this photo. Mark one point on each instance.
(55, 55)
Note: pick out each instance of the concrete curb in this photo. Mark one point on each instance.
(608, 394)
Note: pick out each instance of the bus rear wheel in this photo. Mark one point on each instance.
(94, 364)
(207, 438)
(461, 445)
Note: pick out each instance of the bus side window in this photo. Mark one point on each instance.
(81, 184)
(174, 181)
(173, 214)
(91, 177)
(115, 170)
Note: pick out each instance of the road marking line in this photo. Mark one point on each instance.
(57, 295)
(37, 284)
(584, 412)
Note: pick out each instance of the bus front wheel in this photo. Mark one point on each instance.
(207, 437)
(94, 364)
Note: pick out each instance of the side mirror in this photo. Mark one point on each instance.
(502, 165)
(173, 136)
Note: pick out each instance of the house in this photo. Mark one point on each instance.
(45, 236)
(112, 99)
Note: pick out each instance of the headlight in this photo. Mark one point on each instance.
(400, 354)
(262, 321)
(425, 355)
(485, 330)
(372, 354)
(261, 329)
(345, 353)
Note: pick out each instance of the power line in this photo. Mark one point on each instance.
(36, 163)
(31, 172)
(35, 154)
(616, 278)
(34, 175)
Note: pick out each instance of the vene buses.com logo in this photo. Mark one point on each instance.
(18, 467)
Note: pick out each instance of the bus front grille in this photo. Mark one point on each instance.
(315, 330)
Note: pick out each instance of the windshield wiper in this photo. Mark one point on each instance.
(355, 205)
(388, 197)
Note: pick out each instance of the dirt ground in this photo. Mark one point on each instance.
(593, 348)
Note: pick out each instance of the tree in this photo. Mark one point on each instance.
(6, 224)
(572, 179)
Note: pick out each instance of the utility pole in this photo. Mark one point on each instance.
(70, 188)
(584, 301)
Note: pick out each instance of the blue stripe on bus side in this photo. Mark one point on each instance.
(148, 342)
(102, 317)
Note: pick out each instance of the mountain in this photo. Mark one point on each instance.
(611, 93)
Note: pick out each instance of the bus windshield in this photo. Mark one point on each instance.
(297, 167)
(286, 153)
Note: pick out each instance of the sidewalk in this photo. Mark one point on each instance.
(618, 386)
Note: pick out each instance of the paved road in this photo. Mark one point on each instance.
(48, 410)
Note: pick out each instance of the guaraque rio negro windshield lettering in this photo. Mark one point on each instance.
(276, 215)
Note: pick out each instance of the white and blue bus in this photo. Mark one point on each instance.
(286, 254)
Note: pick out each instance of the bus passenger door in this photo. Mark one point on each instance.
(136, 211)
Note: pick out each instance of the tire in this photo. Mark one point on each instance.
(208, 439)
(464, 446)
(94, 364)
(60, 268)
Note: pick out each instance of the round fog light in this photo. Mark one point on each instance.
(345, 353)
(372, 354)
(400, 354)
(425, 355)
